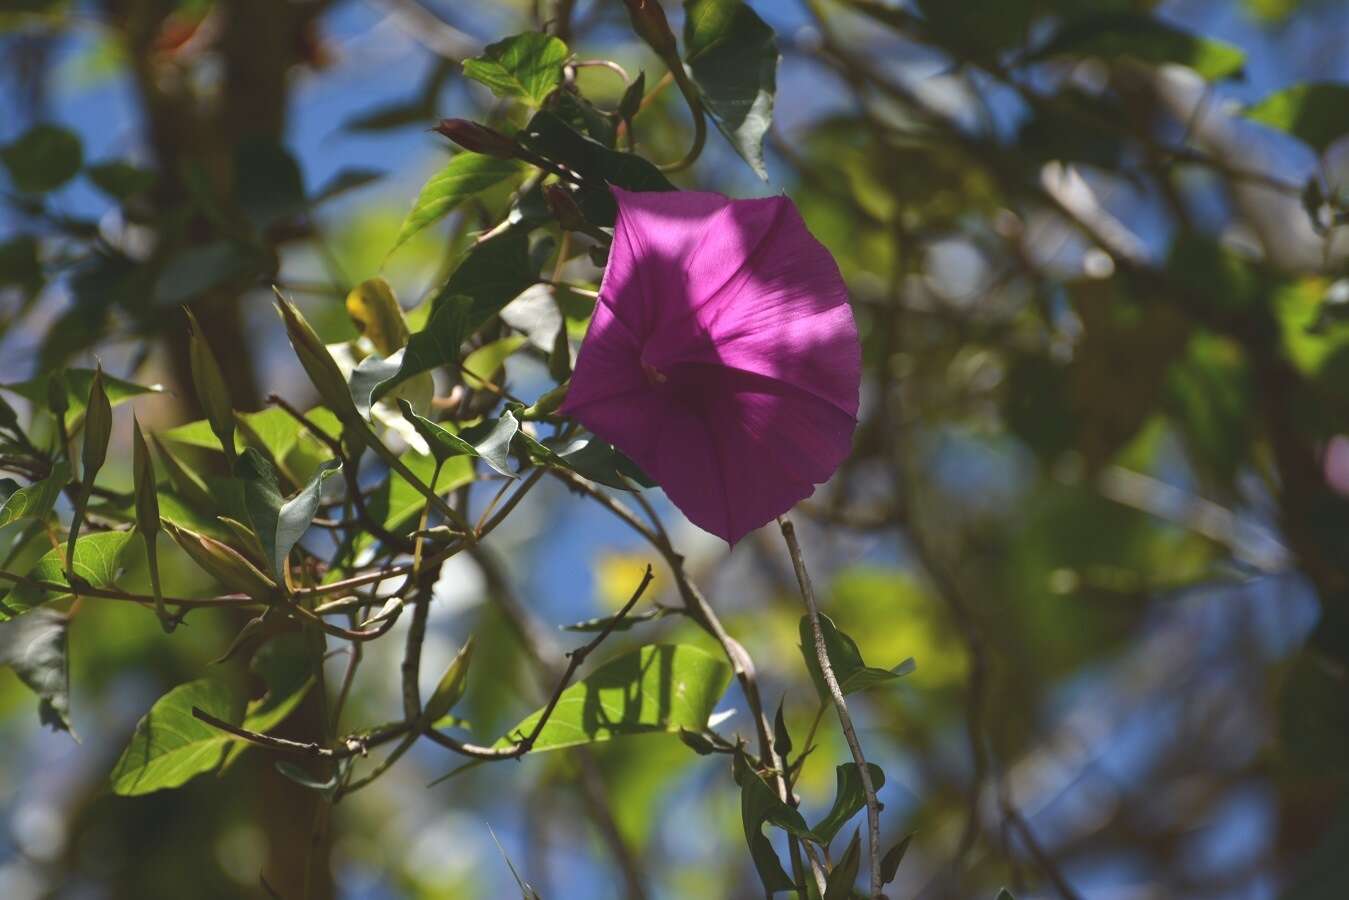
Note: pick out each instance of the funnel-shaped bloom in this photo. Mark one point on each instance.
(722, 357)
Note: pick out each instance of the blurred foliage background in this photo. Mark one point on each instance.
(1100, 488)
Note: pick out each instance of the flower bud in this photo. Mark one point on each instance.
(631, 101)
(147, 516)
(97, 428)
(143, 475)
(451, 688)
(565, 210)
(225, 564)
(317, 362)
(478, 138)
(648, 20)
(212, 392)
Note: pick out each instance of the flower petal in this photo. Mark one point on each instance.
(784, 313)
(655, 234)
(608, 364)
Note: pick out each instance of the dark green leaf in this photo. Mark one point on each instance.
(624, 624)
(170, 745)
(1005, 894)
(782, 738)
(732, 55)
(278, 523)
(849, 798)
(1313, 113)
(345, 180)
(597, 165)
(76, 383)
(492, 274)
(285, 666)
(1113, 36)
(844, 874)
(525, 66)
(660, 687)
(893, 857)
(20, 265)
(35, 647)
(269, 186)
(43, 158)
(463, 176)
(36, 500)
(760, 805)
(590, 458)
(852, 673)
(120, 180)
(488, 441)
(195, 270)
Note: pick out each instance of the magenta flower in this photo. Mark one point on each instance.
(722, 357)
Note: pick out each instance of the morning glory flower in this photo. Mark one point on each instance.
(722, 357)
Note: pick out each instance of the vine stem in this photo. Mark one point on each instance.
(840, 705)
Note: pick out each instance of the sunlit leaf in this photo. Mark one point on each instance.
(732, 55)
(845, 659)
(1313, 113)
(35, 647)
(463, 176)
(849, 798)
(526, 66)
(97, 560)
(660, 687)
(170, 746)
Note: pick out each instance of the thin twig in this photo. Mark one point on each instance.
(840, 705)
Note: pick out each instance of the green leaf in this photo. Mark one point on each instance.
(43, 158)
(450, 690)
(482, 364)
(195, 270)
(782, 738)
(120, 180)
(463, 176)
(844, 874)
(849, 798)
(760, 805)
(285, 666)
(1113, 36)
(597, 165)
(590, 458)
(77, 383)
(278, 523)
(97, 561)
(893, 857)
(1314, 113)
(627, 623)
(732, 55)
(492, 274)
(20, 264)
(38, 498)
(170, 746)
(35, 647)
(656, 688)
(852, 673)
(526, 66)
(488, 441)
(1005, 894)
